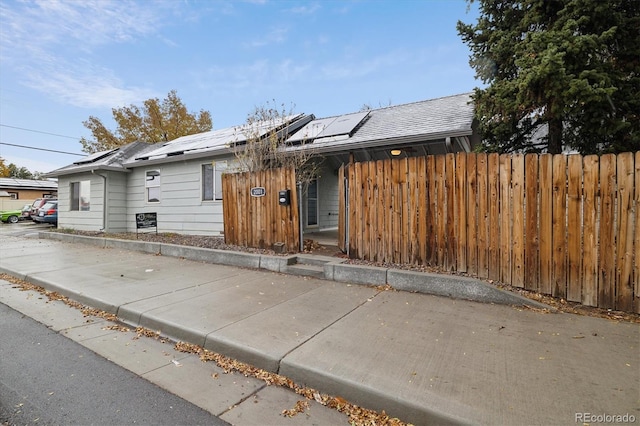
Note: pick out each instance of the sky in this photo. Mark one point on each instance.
(64, 61)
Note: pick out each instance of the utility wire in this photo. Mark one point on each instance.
(39, 131)
(43, 149)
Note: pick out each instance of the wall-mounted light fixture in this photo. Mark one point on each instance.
(396, 152)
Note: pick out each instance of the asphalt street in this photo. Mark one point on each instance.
(48, 379)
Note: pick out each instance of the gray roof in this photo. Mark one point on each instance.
(12, 183)
(217, 141)
(112, 160)
(423, 122)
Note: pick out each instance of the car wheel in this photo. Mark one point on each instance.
(13, 219)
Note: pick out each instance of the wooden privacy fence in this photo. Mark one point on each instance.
(562, 225)
(253, 217)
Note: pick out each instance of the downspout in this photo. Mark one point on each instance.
(104, 200)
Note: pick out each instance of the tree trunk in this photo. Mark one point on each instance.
(555, 136)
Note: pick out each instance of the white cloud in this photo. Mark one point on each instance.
(305, 10)
(88, 22)
(276, 35)
(347, 69)
(36, 37)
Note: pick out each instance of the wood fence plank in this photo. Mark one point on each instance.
(431, 211)
(373, 204)
(574, 229)
(495, 231)
(396, 196)
(403, 210)
(472, 214)
(636, 244)
(269, 210)
(278, 216)
(365, 215)
(559, 229)
(412, 210)
(531, 250)
(450, 188)
(483, 215)
(517, 220)
(388, 211)
(353, 207)
(441, 220)
(607, 270)
(625, 222)
(545, 163)
(461, 211)
(237, 184)
(381, 232)
(423, 209)
(359, 196)
(256, 216)
(590, 231)
(506, 235)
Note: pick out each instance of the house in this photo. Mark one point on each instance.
(180, 180)
(28, 189)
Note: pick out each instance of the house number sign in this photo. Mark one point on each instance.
(258, 191)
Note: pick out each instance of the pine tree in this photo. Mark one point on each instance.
(571, 67)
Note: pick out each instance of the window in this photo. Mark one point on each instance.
(212, 180)
(152, 186)
(13, 195)
(81, 195)
(312, 204)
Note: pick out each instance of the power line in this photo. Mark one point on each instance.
(39, 131)
(42, 149)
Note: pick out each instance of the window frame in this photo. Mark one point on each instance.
(76, 197)
(214, 173)
(156, 185)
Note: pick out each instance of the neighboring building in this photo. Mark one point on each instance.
(181, 180)
(28, 189)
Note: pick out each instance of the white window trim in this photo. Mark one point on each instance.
(155, 185)
(219, 167)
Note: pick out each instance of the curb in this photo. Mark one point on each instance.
(457, 287)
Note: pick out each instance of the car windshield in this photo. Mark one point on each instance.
(49, 206)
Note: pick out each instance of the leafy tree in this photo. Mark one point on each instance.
(4, 170)
(267, 150)
(570, 65)
(20, 172)
(153, 123)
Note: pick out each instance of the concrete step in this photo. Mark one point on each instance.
(316, 271)
(311, 259)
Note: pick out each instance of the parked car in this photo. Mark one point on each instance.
(38, 204)
(48, 213)
(11, 216)
(26, 211)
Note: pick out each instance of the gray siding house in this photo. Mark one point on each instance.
(181, 180)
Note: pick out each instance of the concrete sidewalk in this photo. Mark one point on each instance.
(422, 358)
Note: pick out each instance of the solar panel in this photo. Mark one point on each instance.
(344, 124)
(311, 130)
(327, 127)
(95, 156)
(216, 138)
